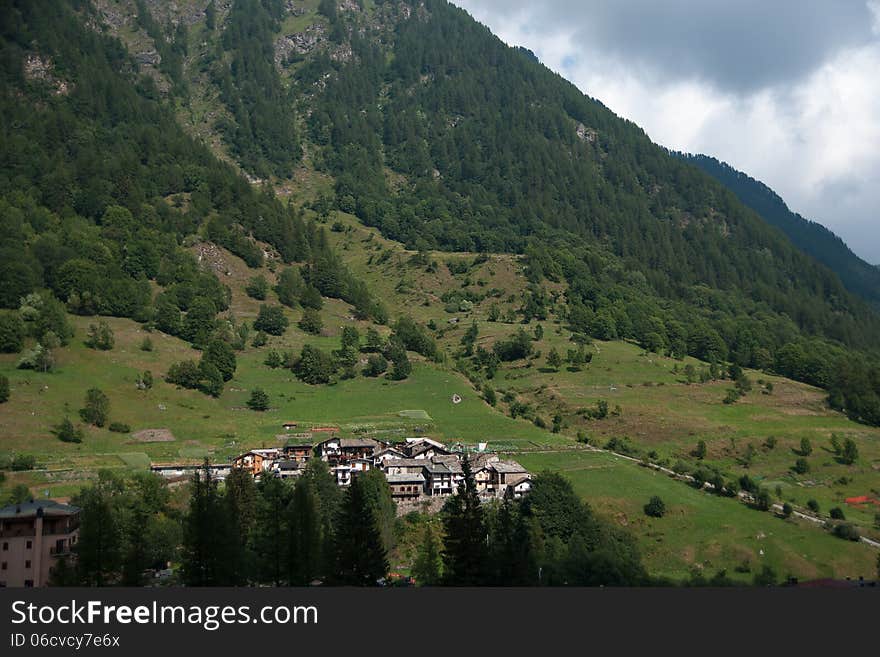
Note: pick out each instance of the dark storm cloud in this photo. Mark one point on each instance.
(737, 45)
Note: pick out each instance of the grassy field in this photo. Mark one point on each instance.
(660, 413)
(702, 532)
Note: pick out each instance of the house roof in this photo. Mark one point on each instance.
(388, 450)
(451, 461)
(507, 467)
(405, 463)
(288, 465)
(36, 508)
(298, 442)
(516, 481)
(358, 442)
(405, 478)
(435, 467)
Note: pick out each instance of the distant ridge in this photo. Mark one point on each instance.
(812, 238)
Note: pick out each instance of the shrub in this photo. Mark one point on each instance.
(147, 344)
(813, 506)
(259, 400)
(4, 389)
(100, 336)
(96, 409)
(655, 507)
(22, 462)
(376, 365)
(119, 427)
(846, 531)
(271, 320)
(787, 510)
(257, 287)
(837, 513)
(801, 466)
(311, 321)
(68, 433)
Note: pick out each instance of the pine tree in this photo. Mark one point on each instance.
(554, 360)
(98, 549)
(304, 558)
(259, 400)
(360, 555)
(239, 501)
(465, 555)
(96, 409)
(428, 566)
(270, 535)
(205, 559)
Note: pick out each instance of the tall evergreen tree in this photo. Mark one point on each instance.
(465, 553)
(205, 559)
(305, 559)
(360, 555)
(428, 566)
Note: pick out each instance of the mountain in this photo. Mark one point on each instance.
(376, 216)
(417, 120)
(812, 238)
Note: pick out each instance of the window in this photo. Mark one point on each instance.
(3, 566)
(5, 547)
(28, 545)
(29, 583)
(27, 563)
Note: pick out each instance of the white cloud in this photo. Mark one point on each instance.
(813, 136)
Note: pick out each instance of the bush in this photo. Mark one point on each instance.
(813, 506)
(787, 510)
(220, 354)
(4, 389)
(22, 462)
(100, 336)
(68, 433)
(801, 466)
(260, 339)
(147, 344)
(271, 320)
(257, 288)
(376, 365)
(96, 409)
(311, 321)
(259, 400)
(185, 374)
(314, 366)
(846, 531)
(655, 507)
(273, 360)
(11, 333)
(119, 427)
(762, 500)
(837, 513)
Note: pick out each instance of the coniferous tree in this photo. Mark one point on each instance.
(270, 531)
(305, 559)
(96, 408)
(239, 503)
(99, 548)
(360, 554)
(465, 554)
(428, 566)
(205, 559)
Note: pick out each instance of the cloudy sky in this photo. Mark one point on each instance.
(786, 90)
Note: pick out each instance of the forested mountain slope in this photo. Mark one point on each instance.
(427, 127)
(812, 238)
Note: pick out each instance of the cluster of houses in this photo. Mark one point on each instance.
(415, 468)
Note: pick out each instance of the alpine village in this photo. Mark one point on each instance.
(350, 292)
